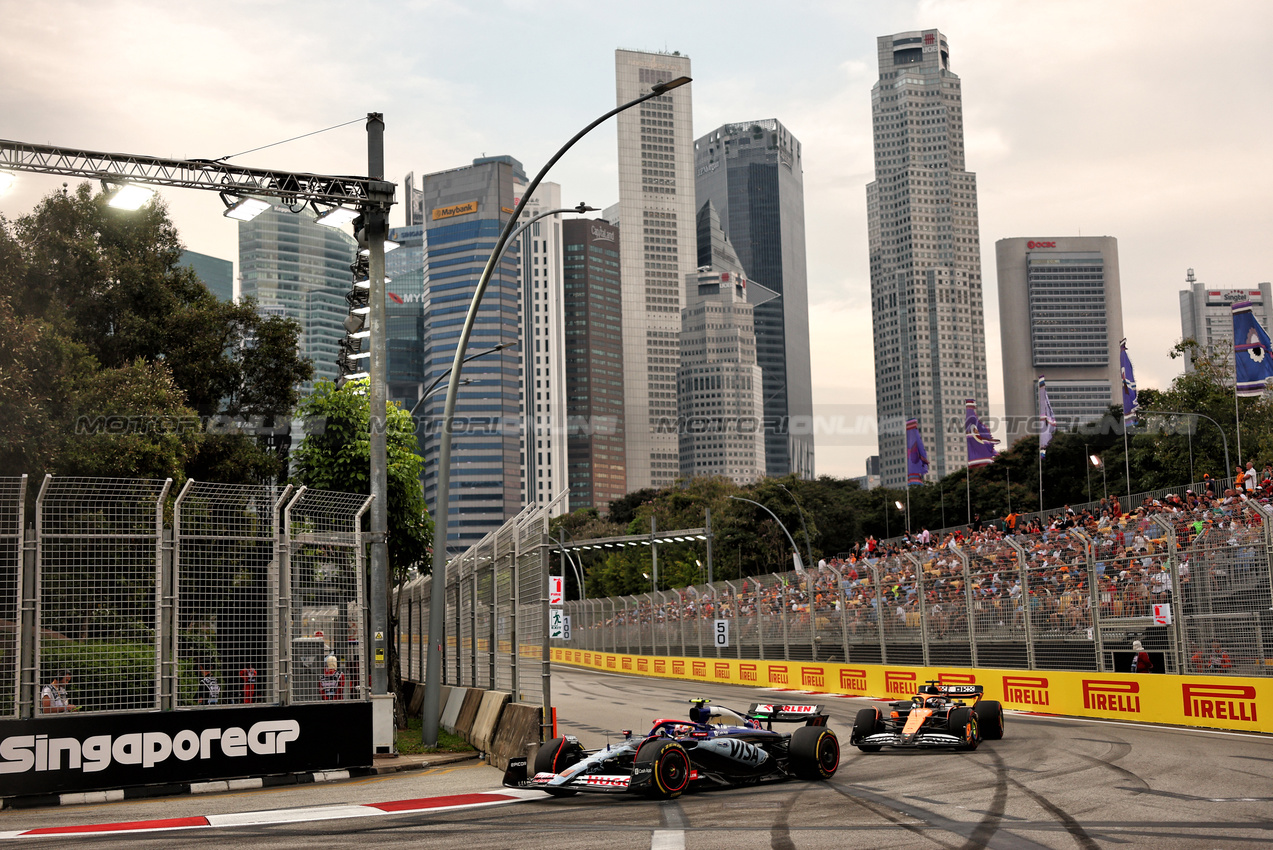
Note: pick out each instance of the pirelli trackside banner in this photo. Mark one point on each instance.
(1218, 702)
(94, 752)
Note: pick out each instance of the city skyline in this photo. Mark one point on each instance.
(1081, 118)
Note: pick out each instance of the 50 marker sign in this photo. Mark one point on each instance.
(722, 633)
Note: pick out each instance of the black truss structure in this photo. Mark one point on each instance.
(290, 187)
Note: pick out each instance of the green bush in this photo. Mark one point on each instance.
(106, 675)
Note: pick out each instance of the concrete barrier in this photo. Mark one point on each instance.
(468, 713)
(519, 727)
(415, 698)
(488, 717)
(451, 708)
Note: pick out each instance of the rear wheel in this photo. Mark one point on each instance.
(670, 767)
(963, 724)
(815, 752)
(989, 719)
(865, 724)
(554, 757)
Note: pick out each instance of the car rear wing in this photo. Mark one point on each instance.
(777, 713)
(963, 690)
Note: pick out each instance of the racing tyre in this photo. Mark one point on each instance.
(555, 756)
(963, 724)
(670, 767)
(989, 720)
(815, 752)
(866, 723)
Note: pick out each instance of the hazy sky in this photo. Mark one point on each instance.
(1147, 120)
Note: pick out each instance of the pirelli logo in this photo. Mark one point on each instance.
(813, 677)
(627, 663)
(466, 208)
(1026, 690)
(853, 680)
(587, 658)
(1118, 697)
(699, 669)
(722, 670)
(678, 668)
(610, 661)
(578, 657)
(899, 682)
(748, 673)
(778, 674)
(1220, 702)
(643, 665)
(660, 666)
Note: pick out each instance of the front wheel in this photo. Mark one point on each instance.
(815, 752)
(963, 724)
(670, 768)
(866, 723)
(554, 757)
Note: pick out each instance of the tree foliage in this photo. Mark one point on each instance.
(92, 299)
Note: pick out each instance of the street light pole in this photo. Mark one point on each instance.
(807, 549)
(431, 712)
(795, 549)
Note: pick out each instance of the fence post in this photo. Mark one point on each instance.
(285, 599)
(879, 610)
(918, 566)
(971, 615)
(1027, 614)
(30, 614)
(514, 624)
(1177, 608)
(1094, 597)
(545, 655)
(168, 620)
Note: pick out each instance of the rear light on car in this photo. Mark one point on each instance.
(896, 715)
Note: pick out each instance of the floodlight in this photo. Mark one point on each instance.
(1095, 459)
(245, 209)
(389, 246)
(7, 179)
(899, 506)
(337, 217)
(131, 196)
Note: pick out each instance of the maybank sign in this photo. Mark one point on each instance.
(1228, 702)
(466, 208)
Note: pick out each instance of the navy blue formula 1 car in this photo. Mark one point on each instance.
(677, 755)
(934, 717)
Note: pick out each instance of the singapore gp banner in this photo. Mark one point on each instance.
(96, 752)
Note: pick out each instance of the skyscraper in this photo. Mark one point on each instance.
(926, 298)
(406, 267)
(217, 274)
(543, 352)
(464, 210)
(1206, 314)
(720, 383)
(594, 363)
(1060, 316)
(753, 175)
(656, 216)
(294, 267)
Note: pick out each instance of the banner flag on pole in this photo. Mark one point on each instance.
(1045, 414)
(981, 445)
(1250, 351)
(916, 456)
(1129, 386)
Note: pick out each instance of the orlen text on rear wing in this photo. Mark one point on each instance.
(810, 715)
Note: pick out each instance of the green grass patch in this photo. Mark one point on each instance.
(407, 741)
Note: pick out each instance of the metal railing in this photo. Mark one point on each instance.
(1193, 586)
(105, 609)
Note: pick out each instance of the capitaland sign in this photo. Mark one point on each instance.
(603, 234)
(86, 752)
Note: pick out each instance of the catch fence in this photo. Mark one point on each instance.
(496, 612)
(1193, 587)
(125, 597)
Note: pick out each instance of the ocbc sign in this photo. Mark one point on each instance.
(1033, 244)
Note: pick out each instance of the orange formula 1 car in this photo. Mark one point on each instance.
(934, 717)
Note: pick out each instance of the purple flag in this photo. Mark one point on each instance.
(1129, 386)
(981, 446)
(1045, 414)
(1252, 359)
(916, 457)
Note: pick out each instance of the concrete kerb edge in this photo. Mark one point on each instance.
(180, 789)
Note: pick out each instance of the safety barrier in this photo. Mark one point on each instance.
(1215, 702)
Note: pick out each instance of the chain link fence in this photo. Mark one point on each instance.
(124, 596)
(1193, 587)
(496, 612)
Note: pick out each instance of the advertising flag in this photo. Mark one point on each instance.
(981, 446)
(1250, 351)
(916, 456)
(1129, 386)
(1047, 417)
